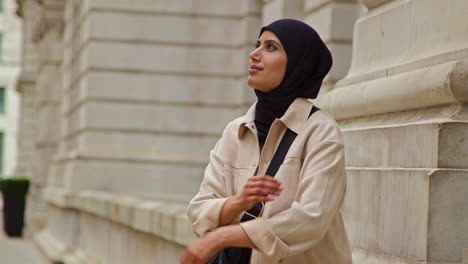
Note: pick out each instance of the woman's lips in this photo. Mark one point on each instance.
(254, 69)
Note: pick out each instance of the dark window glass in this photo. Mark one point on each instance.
(2, 100)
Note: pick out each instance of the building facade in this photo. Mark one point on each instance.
(10, 39)
(128, 97)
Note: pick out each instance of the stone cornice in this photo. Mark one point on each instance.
(431, 86)
(371, 4)
(161, 217)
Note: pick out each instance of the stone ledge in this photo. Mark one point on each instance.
(163, 218)
(437, 85)
(56, 253)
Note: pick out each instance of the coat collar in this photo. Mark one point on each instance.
(294, 118)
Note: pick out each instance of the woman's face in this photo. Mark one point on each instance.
(267, 63)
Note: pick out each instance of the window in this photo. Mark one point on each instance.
(2, 100)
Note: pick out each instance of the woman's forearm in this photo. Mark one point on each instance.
(231, 210)
(233, 236)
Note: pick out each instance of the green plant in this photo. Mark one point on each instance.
(14, 187)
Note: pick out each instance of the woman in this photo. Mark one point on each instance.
(301, 220)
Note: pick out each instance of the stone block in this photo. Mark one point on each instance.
(122, 241)
(184, 234)
(94, 237)
(49, 83)
(154, 118)
(127, 176)
(407, 146)
(404, 213)
(335, 21)
(182, 7)
(162, 88)
(145, 57)
(184, 30)
(389, 34)
(361, 208)
(277, 9)
(453, 145)
(100, 203)
(62, 225)
(341, 53)
(143, 215)
(122, 208)
(403, 32)
(448, 214)
(310, 5)
(164, 221)
(144, 146)
(47, 128)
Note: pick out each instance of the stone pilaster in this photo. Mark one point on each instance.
(402, 108)
(29, 11)
(48, 35)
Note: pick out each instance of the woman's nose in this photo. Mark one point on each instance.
(255, 55)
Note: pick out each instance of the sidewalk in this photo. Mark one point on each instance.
(16, 250)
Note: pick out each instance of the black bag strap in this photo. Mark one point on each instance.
(273, 168)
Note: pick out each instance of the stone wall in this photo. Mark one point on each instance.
(403, 113)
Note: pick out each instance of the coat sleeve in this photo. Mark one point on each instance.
(319, 196)
(205, 208)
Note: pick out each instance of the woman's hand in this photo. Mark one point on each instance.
(259, 189)
(202, 250)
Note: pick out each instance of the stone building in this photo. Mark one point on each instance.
(10, 39)
(127, 97)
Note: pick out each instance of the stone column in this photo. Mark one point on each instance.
(402, 108)
(47, 37)
(29, 11)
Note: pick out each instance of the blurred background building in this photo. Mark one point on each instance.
(121, 101)
(10, 40)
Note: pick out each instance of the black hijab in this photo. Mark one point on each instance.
(309, 61)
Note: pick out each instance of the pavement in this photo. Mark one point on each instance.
(17, 250)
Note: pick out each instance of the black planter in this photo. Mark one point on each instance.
(13, 215)
(14, 201)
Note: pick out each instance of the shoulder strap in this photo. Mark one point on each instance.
(283, 148)
(276, 162)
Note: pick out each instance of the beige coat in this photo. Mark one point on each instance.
(302, 225)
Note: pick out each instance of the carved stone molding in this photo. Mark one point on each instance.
(371, 4)
(45, 25)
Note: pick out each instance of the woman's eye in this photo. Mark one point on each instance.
(271, 47)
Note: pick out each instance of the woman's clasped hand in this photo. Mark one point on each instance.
(259, 189)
